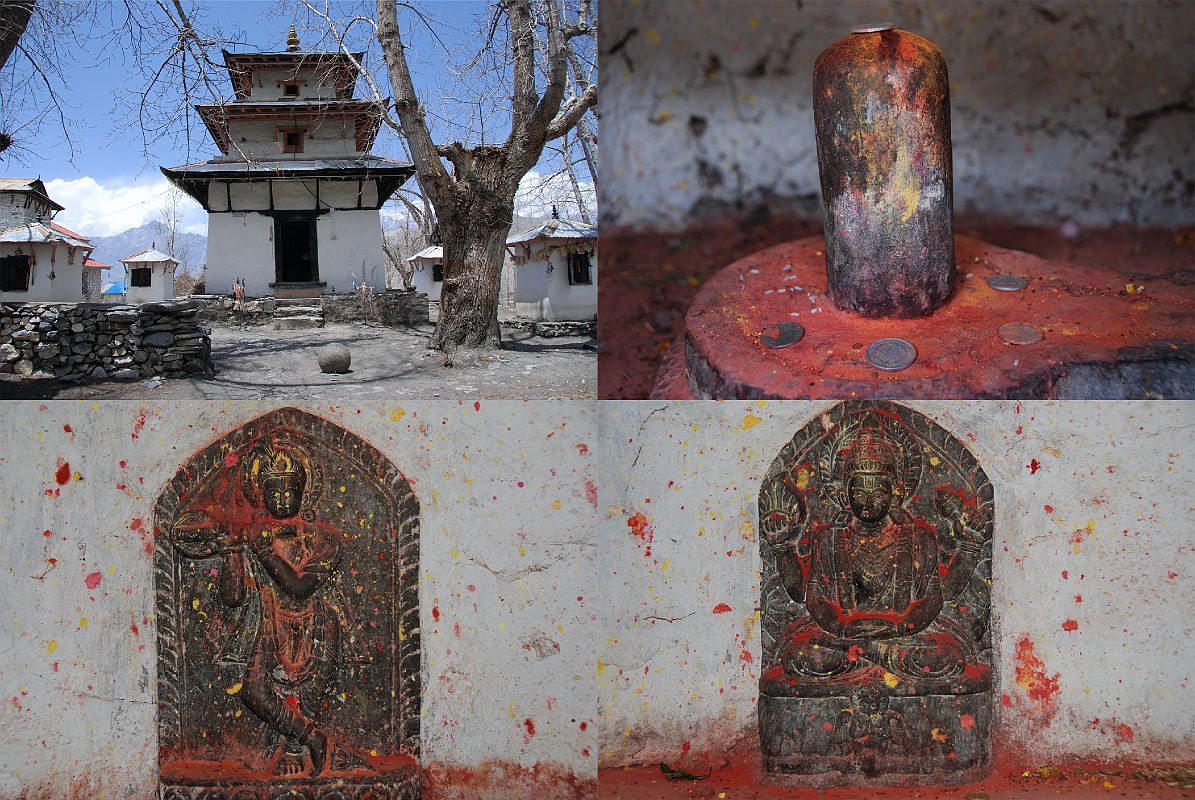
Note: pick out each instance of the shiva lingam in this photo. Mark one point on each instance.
(889, 302)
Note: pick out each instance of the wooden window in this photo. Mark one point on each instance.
(139, 276)
(290, 90)
(437, 273)
(291, 139)
(14, 274)
(579, 273)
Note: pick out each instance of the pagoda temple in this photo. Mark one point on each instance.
(293, 198)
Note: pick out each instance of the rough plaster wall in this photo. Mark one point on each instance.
(1104, 513)
(508, 622)
(1061, 110)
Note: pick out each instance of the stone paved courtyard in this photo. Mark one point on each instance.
(386, 363)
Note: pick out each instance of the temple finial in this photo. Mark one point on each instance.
(292, 40)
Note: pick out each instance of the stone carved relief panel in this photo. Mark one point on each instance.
(286, 571)
(875, 535)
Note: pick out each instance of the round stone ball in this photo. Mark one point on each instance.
(335, 358)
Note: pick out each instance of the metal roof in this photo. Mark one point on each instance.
(116, 287)
(90, 263)
(435, 251)
(148, 257)
(556, 229)
(39, 233)
(28, 185)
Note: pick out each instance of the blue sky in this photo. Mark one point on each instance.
(110, 186)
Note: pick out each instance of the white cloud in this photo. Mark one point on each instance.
(537, 194)
(95, 209)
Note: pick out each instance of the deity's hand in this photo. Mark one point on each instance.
(779, 515)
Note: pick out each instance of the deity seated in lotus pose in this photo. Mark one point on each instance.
(875, 581)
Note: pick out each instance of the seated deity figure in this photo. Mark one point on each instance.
(278, 566)
(875, 583)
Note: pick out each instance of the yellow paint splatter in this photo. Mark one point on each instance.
(939, 735)
(454, 553)
(891, 680)
(53, 645)
(82, 622)
(397, 414)
(195, 604)
(653, 36)
(601, 667)
(664, 567)
(555, 505)
(750, 421)
(236, 687)
(934, 461)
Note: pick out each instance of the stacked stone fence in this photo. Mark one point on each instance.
(96, 341)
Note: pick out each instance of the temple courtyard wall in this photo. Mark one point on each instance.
(1093, 559)
(506, 589)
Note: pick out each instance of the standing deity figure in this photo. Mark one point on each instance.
(279, 567)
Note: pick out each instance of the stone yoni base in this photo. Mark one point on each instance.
(406, 788)
(864, 741)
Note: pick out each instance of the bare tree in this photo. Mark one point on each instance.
(473, 195)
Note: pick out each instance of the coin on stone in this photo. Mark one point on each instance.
(1007, 283)
(891, 355)
(787, 333)
(1020, 333)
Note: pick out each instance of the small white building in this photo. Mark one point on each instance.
(556, 271)
(293, 197)
(40, 260)
(149, 276)
(428, 271)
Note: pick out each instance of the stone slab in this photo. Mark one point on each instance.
(1089, 318)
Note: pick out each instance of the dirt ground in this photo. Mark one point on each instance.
(649, 278)
(386, 362)
(1077, 782)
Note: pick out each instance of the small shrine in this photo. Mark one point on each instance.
(149, 276)
(556, 271)
(293, 198)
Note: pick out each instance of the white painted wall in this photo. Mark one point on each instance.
(67, 284)
(507, 548)
(314, 89)
(349, 245)
(161, 283)
(1119, 475)
(422, 277)
(544, 293)
(330, 137)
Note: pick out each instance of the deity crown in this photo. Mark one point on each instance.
(871, 455)
(281, 464)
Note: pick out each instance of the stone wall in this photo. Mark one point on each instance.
(1092, 572)
(84, 341)
(1060, 110)
(391, 308)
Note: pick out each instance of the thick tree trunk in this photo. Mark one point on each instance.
(14, 18)
(474, 250)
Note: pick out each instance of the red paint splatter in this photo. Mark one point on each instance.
(827, 726)
(1078, 598)
(855, 653)
(530, 726)
(967, 721)
(456, 629)
(1031, 675)
(133, 627)
(640, 527)
(745, 655)
(477, 406)
(54, 666)
(47, 533)
(68, 428)
(63, 474)
(520, 484)
(585, 725)
(591, 492)
(722, 608)
(1049, 508)
(1020, 430)
(436, 613)
(1123, 733)
(1006, 701)
(583, 449)
(231, 459)
(471, 588)
(1070, 625)
(93, 580)
(138, 424)
(1066, 575)
(1033, 466)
